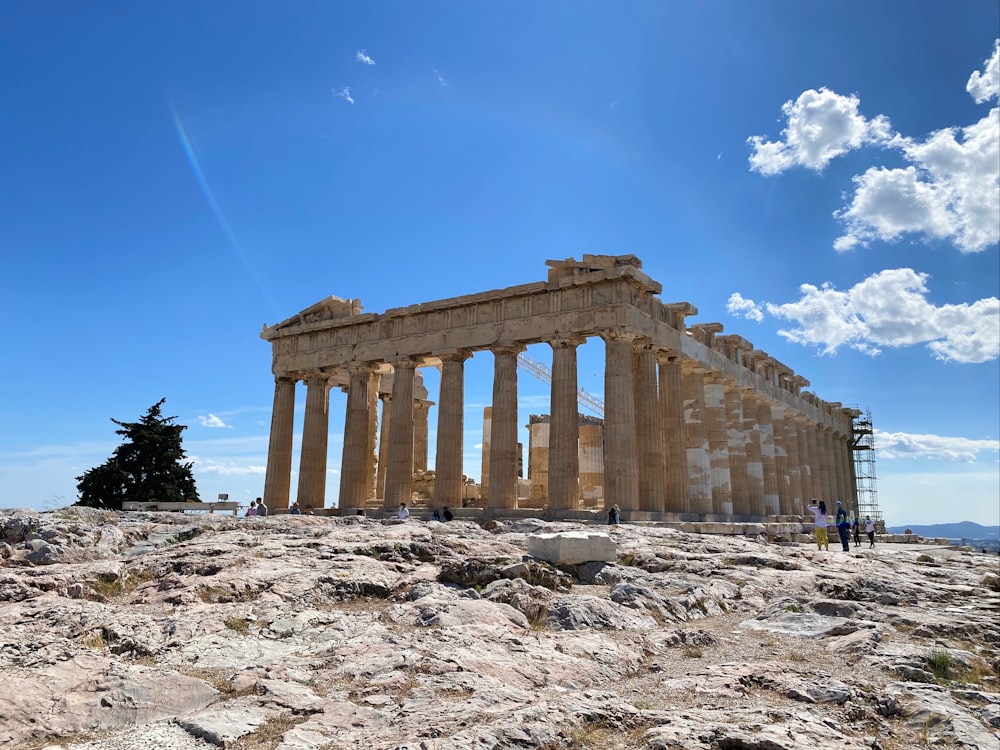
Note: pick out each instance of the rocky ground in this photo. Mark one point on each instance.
(134, 631)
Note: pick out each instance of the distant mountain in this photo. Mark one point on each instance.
(962, 530)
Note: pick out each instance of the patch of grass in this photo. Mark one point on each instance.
(94, 640)
(693, 652)
(626, 560)
(269, 734)
(794, 607)
(643, 705)
(944, 667)
(239, 624)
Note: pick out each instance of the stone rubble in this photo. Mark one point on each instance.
(170, 631)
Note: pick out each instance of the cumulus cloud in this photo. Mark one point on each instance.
(888, 309)
(225, 468)
(362, 57)
(344, 93)
(907, 445)
(211, 421)
(440, 80)
(949, 190)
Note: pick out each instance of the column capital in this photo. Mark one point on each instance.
(566, 342)
(617, 334)
(513, 348)
(406, 363)
(455, 355)
(665, 356)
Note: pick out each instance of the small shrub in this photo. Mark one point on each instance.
(239, 624)
(693, 652)
(944, 667)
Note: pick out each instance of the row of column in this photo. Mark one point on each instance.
(677, 438)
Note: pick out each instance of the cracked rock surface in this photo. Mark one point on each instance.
(165, 631)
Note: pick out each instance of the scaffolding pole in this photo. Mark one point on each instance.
(863, 448)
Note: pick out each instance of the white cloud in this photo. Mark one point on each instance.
(211, 421)
(820, 125)
(226, 468)
(942, 447)
(362, 57)
(950, 189)
(888, 309)
(986, 85)
(737, 306)
(440, 80)
(344, 93)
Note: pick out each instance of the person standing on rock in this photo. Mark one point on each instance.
(403, 512)
(261, 508)
(614, 515)
(819, 514)
(448, 515)
(856, 531)
(843, 527)
(870, 530)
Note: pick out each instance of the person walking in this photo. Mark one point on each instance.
(819, 516)
(843, 527)
(870, 531)
(856, 532)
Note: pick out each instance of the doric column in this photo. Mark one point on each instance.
(816, 463)
(421, 408)
(737, 449)
(315, 433)
(781, 458)
(373, 383)
(720, 479)
(794, 464)
(621, 477)
(278, 479)
(399, 473)
(823, 454)
(383, 445)
(802, 429)
(484, 478)
(503, 432)
(755, 463)
(671, 392)
(696, 440)
(354, 464)
(538, 458)
(591, 461)
(772, 503)
(649, 433)
(564, 455)
(450, 430)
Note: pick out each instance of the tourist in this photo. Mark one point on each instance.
(856, 531)
(403, 512)
(614, 515)
(435, 516)
(308, 511)
(870, 530)
(843, 527)
(294, 510)
(252, 510)
(448, 515)
(819, 515)
(261, 508)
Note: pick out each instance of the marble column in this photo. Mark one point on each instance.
(794, 464)
(421, 408)
(823, 454)
(484, 479)
(354, 463)
(399, 473)
(772, 503)
(720, 476)
(755, 462)
(278, 479)
(781, 458)
(671, 393)
(592, 462)
(621, 476)
(564, 435)
(383, 445)
(450, 430)
(538, 459)
(696, 440)
(649, 433)
(315, 434)
(737, 443)
(503, 431)
(802, 428)
(370, 451)
(816, 464)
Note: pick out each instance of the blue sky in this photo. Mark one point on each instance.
(822, 179)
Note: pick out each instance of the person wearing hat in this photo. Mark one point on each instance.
(843, 527)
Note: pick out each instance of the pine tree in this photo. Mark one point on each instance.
(148, 466)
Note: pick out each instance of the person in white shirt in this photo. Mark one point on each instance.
(403, 512)
(819, 514)
(870, 530)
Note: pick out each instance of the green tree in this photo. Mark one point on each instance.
(148, 466)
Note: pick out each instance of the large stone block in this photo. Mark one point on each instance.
(572, 547)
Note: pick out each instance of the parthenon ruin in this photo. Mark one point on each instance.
(695, 423)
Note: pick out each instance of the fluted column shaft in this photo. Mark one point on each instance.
(278, 479)
(794, 465)
(373, 383)
(354, 463)
(399, 474)
(621, 476)
(671, 394)
(772, 503)
(781, 459)
(383, 446)
(421, 430)
(718, 445)
(823, 453)
(315, 434)
(696, 440)
(802, 429)
(450, 430)
(816, 463)
(649, 434)
(503, 431)
(755, 464)
(737, 441)
(564, 435)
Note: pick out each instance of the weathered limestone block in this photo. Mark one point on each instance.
(572, 547)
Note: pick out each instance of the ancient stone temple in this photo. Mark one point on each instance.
(695, 423)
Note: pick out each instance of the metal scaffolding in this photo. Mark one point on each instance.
(863, 448)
